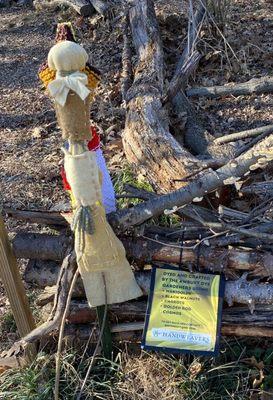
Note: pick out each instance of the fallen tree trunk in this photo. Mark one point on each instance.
(258, 86)
(147, 140)
(260, 189)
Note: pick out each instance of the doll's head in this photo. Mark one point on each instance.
(67, 56)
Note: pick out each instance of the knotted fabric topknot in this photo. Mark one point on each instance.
(59, 88)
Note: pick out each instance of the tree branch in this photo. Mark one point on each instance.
(257, 157)
(258, 86)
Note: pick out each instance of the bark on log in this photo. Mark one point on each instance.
(146, 251)
(81, 313)
(182, 75)
(147, 140)
(262, 316)
(82, 7)
(258, 86)
(25, 3)
(39, 217)
(257, 157)
(133, 332)
(238, 291)
(245, 147)
(127, 70)
(100, 6)
(196, 138)
(260, 189)
(62, 220)
(5, 3)
(249, 331)
(41, 246)
(81, 333)
(193, 33)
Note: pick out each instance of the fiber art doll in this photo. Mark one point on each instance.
(105, 271)
(65, 32)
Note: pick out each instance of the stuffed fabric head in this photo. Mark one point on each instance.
(67, 56)
(70, 89)
(65, 32)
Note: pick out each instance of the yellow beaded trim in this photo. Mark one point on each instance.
(47, 75)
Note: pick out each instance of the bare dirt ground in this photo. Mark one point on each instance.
(30, 141)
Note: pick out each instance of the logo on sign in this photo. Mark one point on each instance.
(170, 335)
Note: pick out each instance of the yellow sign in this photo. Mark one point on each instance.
(184, 311)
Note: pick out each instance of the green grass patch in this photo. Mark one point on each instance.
(127, 176)
(7, 324)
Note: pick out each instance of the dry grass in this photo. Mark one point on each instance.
(149, 377)
(144, 376)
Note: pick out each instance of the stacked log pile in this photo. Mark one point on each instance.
(247, 266)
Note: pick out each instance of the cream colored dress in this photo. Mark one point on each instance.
(103, 253)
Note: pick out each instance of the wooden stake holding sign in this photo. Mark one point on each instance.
(13, 284)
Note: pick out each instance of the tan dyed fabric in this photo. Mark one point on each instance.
(120, 286)
(102, 249)
(74, 117)
(104, 254)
